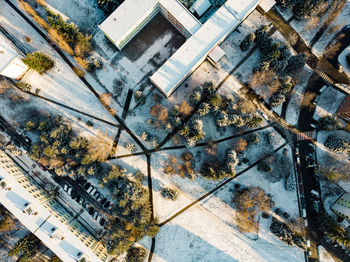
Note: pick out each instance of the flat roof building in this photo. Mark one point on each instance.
(45, 217)
(132, 15)
(11, 64)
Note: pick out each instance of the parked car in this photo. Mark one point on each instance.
(65, 187)
(106, 205)
(42, 167)
(90, 189)
(93, 191)
(103, 201)
(2, 129)
(102, 221)
(74, 194)
(81, 200)
(69, 191)
(28, 140)
(91, 210)
(86, 186)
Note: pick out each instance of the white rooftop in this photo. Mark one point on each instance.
(241, 8)
(182, 15)
(266, 5)
(6, 55)
(125, 18)
(130, 14)
(41, 224)
(194, 50)
(200, 7)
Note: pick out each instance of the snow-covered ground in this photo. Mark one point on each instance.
(328, 102)
(293, 108)
(324, 255)
(334, 28)
(60, 84)
(206, 232)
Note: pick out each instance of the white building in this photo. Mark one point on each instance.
(131, 16)
(11, 64)
(45, 217)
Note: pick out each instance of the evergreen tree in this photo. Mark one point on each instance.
(38, 61)
(247, 42)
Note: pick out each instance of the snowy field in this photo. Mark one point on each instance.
(206, 232)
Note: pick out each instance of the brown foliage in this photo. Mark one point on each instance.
(56, 162)
(82, 62)
(211, 149)
(7, 223)
(59, 40)
(249, 202)
(183, 168)
(297, 226)
(78, 71)
(241, 145)
(27, 8)
(41, 2)
(100, 147)
(306, 101)
(312, 23)
(161, 113)
(106, 98)
(246, 106)
(185, 108)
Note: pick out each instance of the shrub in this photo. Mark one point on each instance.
(136, 254)
(295, 63)
(38, 61)
(169, 193)
(89, 123)
(24, 86)
(337, 144)
(261, 32)
(265, 167)
(247, 42)
(328, 123)
(130, 147)
(277, 98)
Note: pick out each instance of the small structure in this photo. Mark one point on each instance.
(342, 206)
(266, 5)
(4, 184)
(30, 209)
(11, 64)
(215, 55)
(344, 109)
(200, 7)
(56, 233)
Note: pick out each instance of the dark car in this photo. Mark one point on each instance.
(42, 167)
(103, 201)
(102, 221)
(74, 194)
(106, 205)
(2, 129)
(86, 186)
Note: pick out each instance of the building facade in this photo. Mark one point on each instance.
(50, 221)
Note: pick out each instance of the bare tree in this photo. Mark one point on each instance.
(99, 148)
